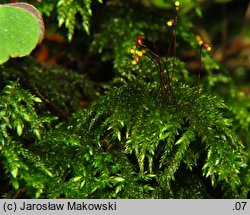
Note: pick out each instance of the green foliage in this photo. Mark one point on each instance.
(163, 135)
(20, 125)
(21, 30)
(118, 34)
(137, 139)
(17, 110)
(67, 11)
(60, 89)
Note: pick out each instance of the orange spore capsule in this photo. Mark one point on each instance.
(206, 46)
(199, 40)
(134, 62)
(170, 22)
(137, 57)
(139, 39)
(140, 53)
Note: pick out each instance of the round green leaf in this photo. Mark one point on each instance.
(21, 30)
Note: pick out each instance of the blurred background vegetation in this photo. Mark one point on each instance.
(79, 120)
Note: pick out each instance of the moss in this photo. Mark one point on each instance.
(158, 129)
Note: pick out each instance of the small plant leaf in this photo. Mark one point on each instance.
(19, 129)
(21, 30)
(15, 185)
(14, 172)
(77, 178)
